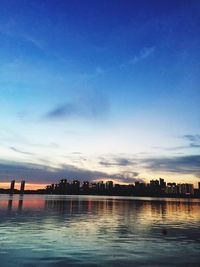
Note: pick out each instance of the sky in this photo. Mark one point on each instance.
(99, 90)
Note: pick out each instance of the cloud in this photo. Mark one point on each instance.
(180, 164)
(36, 173)
(194, 145)
(20, 151)
(65, 110)
(13, 30)
(144, 53)
(194, 140)
(115, 162)
(174, 148)
(89, 105)
(127, 177)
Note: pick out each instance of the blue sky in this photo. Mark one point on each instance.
(99, 89)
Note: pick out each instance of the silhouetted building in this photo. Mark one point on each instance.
(185, 189)
(154, 183)
(86, 187)
(162, 183)
(62, 187)
(22, 187)
(12, 186)
(154, 188)
(109, 185)
(171, 188)
(139, 185)
(50, 188)
(100, 186)
(63, 182)
(94, 185)
(75, 187)
(140, 189)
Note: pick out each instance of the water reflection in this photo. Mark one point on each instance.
(98, 231)
(167, 209)
(10, 201)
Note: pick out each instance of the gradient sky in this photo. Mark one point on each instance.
(99, 89)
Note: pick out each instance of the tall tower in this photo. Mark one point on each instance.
(22, 187)
(12, 186)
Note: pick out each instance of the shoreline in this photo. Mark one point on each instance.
(101, 195)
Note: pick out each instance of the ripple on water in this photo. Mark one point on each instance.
(95, 231)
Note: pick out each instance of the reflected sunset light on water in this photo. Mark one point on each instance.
(98, 231)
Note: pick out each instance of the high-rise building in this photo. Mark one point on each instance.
(189, 189)
(109, 185)
(162, 183)
(86, 185)
(22, 187)
(185, 189)
(154, 183)
(101, 186)
(171, 188)
(62, 187)
(63, 182)
(75, 186)
(94, 186)
(12, 186)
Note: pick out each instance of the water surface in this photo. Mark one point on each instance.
(43, 230)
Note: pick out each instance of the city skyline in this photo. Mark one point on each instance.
(20, 185)
(105, 90)
(154, 188)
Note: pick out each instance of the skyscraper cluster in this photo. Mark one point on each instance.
(154, 188)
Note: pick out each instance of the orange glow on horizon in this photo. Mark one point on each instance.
(28, 186)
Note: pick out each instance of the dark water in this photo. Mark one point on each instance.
(98, 231)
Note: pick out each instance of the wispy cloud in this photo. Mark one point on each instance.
(12, 29)
(127, 177)
(20, 151)
(180, 164)
(144, 53)
(193, 139)
(45, 174)
(88, 105)
(116, 162)
(64, 110)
